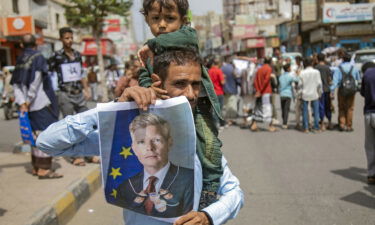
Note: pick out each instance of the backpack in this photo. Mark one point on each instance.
(348, 86)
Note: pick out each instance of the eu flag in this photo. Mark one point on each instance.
(123, 163)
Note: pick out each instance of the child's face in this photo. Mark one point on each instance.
(165, 20)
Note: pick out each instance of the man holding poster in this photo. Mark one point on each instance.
(179, 75)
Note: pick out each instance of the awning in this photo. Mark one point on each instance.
(91, 49)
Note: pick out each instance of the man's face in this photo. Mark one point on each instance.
(67, 40)
(164, 20)
(184, 80)
(151, 147)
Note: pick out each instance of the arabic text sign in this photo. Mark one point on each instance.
(337, 13)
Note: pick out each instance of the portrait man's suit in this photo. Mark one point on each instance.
(179, 181)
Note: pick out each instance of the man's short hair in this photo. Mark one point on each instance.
(298, 58)
(29, 41)
(65, 30)
(367, 66)
(307, 62)
(346, 57)
(321, 57)
(179, 57)
(147, 119)
(286, 67)
(182, 6)
(267, 60)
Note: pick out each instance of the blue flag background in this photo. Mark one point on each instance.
(122, 160)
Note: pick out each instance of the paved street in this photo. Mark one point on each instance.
(288, 178)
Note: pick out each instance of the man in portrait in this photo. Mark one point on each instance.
(161, 189)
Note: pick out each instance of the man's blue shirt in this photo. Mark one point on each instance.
(230, 86)
(337, 75)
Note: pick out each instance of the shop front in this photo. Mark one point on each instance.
(12, 30)
(256, 47)
(90, 50)
(354, 37)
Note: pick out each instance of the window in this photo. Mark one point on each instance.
(57, 16)
(15, 6)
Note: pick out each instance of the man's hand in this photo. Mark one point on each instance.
(258, 94)
(193, 218)
(142, 96)
(87, 94)
(143, 54)
(24, 108)
(156, 86)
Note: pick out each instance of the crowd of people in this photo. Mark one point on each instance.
(169, 70)
(250, 93)
(249, 88)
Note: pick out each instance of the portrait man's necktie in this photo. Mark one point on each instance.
(150, 189)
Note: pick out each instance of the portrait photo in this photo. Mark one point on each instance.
(148, 166)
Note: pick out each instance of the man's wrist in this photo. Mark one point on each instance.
(208, 217)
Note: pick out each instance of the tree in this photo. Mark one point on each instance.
(92, 14)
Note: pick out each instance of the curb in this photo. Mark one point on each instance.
(65, 206)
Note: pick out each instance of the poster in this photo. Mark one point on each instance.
(241, 64)
(71, 71)
(148, 157)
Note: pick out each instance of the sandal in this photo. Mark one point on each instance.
(254, 127)
(50, 175)
(79, 162)
(34, 172)
(93, 159)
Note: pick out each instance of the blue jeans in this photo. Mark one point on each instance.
(305, 114)
(325, 106)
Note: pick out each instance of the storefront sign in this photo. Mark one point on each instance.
(90, 47)
(256, 43)
(353, 29)
(111, 25)
(273, 42)
(338, 13)
(21, 25)
(245, 31)
(309, 10)
(269, 30)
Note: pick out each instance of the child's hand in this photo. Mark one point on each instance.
(143, 54)
(156, 87)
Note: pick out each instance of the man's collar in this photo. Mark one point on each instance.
(160, 174)
(62, 50)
